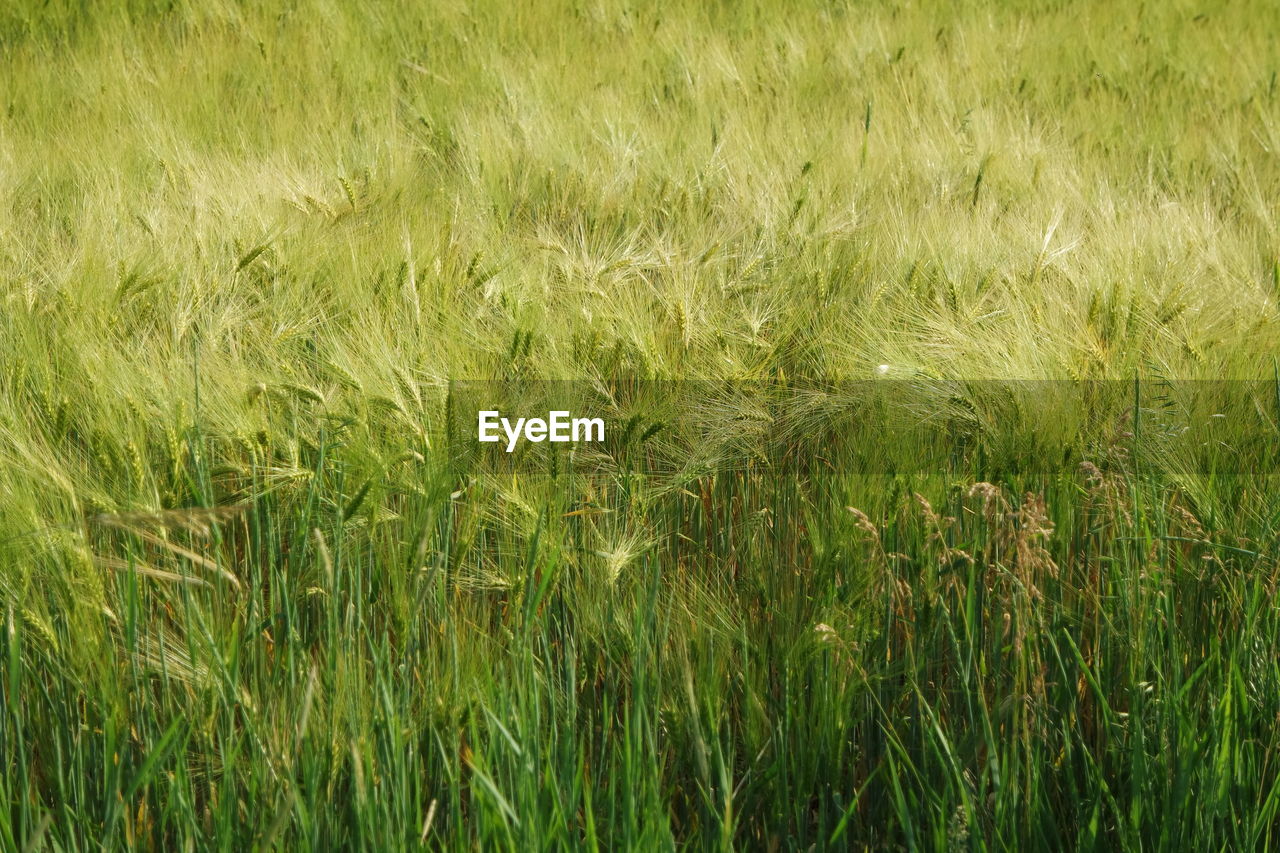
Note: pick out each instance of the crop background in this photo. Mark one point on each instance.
(249, 598)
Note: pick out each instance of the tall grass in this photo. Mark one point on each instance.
(257, 591)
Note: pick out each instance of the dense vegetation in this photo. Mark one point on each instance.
(258, 590)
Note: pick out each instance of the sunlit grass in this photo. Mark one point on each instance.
(254, 595)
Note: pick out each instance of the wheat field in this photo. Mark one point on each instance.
(936, 344)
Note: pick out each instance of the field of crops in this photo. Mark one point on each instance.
(938, 502)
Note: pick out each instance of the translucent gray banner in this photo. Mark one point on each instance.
(980, 427)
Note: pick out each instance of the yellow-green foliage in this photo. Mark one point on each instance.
(346, 189)
(249, 600)
(354, 202)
